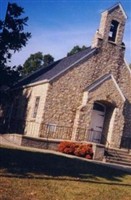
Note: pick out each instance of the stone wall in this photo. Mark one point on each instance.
(61, 100)
(65, 95)
(111, 98)
(108, 95)
(66, 92)
(105, 25)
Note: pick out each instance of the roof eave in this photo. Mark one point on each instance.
(101, 80)
(63, 71)
(31, 85)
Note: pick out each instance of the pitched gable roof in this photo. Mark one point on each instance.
(57, 68)
(101, 80)
(118, 5)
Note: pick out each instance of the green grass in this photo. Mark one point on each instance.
(26, 175)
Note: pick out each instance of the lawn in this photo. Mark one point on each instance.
(30, 175)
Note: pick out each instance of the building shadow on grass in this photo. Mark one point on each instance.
(64, 179)
(26, 164)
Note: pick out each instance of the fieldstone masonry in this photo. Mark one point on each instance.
(66, 92)
(67, 100)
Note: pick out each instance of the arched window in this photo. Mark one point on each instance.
(99, 107)
(113, 30)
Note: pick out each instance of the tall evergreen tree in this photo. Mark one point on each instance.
(12, 39)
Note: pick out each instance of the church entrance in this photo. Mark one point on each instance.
(97, 122)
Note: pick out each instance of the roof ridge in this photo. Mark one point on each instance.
(114, 6)
(56, 68)
(47, 67)
(76, 62)
(79, 51)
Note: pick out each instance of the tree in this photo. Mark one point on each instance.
(48, 59)
(36, 61)
(130, 65)
(76, 49)
(12, 39)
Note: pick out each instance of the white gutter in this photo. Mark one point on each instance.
(37, 83)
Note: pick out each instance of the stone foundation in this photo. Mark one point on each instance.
(43, 143)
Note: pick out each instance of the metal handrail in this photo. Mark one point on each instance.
(62, 132)
(54, 131)
(126, 142)
(114, 150)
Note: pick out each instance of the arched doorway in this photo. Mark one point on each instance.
(97, 122)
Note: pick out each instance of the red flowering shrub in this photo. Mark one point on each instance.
(78, 149)
(67, 147)
(82, 150)
(62, 146)
(90, 145)
(88, 156)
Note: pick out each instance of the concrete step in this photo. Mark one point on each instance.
(118, 156)
(121, 152)
(119, 159)
(121, 156)
(120, 162)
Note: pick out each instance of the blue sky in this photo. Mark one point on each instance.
(58, 25)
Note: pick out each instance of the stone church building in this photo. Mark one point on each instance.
(82, 97)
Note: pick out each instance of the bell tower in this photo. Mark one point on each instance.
(111, 27)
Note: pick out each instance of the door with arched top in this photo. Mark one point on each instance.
(97, 122)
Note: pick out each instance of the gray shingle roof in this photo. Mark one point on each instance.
(56, 68)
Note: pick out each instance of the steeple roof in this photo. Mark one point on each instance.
(118, 5)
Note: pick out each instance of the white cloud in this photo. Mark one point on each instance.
(56, 43)
(59, 42)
